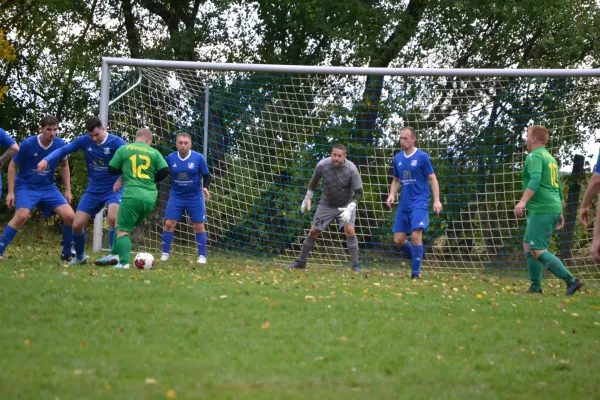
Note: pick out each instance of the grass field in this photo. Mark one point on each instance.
(240, 329)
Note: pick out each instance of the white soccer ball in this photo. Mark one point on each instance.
(144, 261)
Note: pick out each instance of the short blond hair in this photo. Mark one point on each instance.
(540, 133)
(144, 132)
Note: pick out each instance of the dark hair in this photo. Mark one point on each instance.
(411, 130)
(93, 123)
(48, 120)
(340, 147)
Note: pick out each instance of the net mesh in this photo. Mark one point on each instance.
(266, 133)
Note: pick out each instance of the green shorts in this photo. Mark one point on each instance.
(540, 228)
(132, 212)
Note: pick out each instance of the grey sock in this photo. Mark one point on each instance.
(352, 242)
(307, 246)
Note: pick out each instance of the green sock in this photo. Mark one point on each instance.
(534, 267)
(556, 266)
(122, 247)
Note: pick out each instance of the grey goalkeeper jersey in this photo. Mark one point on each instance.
(339, 182)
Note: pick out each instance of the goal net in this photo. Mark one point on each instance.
(264, 128)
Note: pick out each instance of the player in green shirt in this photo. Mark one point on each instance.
(542, 197)
(142, 168)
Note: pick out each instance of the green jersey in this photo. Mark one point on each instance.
(139, 164)
(548, 197)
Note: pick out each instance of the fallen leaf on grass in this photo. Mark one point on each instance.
(265, 325)
(479, 296)
(343, 339)
(150, 381)
(107, 386)
(27, 342)
(224, 296)
(83, 344)
(172, 394)
(320, 358)
(77, 372)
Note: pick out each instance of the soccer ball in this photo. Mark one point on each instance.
(144, 261)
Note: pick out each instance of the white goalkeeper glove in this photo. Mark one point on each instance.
(306, 203)
(347, 211)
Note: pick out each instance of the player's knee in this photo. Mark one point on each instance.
(78, 226)
(349, 231)
(20, 217)
(199, 227)
(315, 233)
(112, 221)
(170, 225)
(400, 241)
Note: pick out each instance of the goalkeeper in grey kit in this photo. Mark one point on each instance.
(342, 190)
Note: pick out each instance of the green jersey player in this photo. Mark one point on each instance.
(542, 197)
(142, 168)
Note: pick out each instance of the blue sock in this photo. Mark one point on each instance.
(7, 236)
(67, 234)
(79, 240)
(201, 240)
(111, 236)
(167, 239)
(407, 249)
(417, 259)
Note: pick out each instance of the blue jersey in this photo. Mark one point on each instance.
(186, 173)
(597, 169)
(5, 139)
(31, 152)
(97, 157)
(413, 172)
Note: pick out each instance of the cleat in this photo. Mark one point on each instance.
(532, 291)
(356, 268)
(108, 260)
(67, 257)
(415, 276)
(573, 287)
(77, 261)
(297, 265)
(119, 266)
(164, 256)
(201, 260)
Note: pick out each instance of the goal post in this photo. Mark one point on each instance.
(263, 128)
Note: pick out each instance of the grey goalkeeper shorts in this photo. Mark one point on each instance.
(325, 214)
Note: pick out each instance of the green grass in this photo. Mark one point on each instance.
(240, 329)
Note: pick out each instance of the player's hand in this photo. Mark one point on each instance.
(347, 211)
(10, 200)
(206, 194)
(68, 196)
(307, 202)
(520, 208)
(118, 184)
(390, 200)
(42, 165)
(437, 207)
(584, 216)
(561, 222)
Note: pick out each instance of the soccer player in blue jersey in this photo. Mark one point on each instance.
(190, 180)
(12, 148)
(98, 148)
(413, 170)
(584, 212)
(38, 189)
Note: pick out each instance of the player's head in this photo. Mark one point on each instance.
(144, 135)
(49, 128)
(95, 129)
(183, 142)
(537, 136)
(338, 154)
(408, 137)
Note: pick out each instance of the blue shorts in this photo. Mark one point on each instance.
(410, 221)
(46, 199)
(194, 207)
(92, 203)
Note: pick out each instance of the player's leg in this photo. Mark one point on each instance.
(173, 214)
(419, 221)
(167, 238)
(126, 218)
(534, 267)
(543, 226)
(323, 217)
(139, 209)
(113, 211)
(25, 201)
(197, 214)
(401, 229)
(351, 240)
(67, 215)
